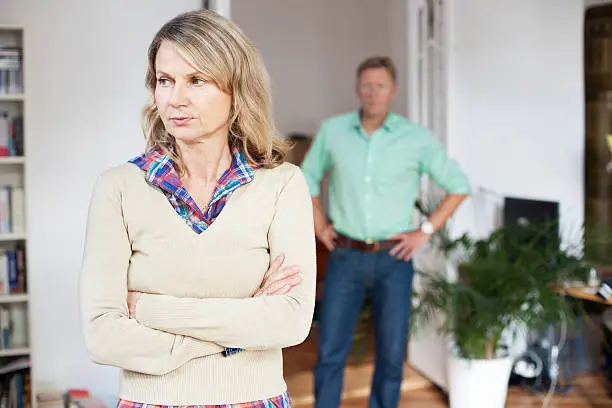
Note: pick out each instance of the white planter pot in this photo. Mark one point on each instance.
(478, 383)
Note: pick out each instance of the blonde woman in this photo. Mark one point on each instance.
(182, 285)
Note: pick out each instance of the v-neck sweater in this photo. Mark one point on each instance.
(197, 288)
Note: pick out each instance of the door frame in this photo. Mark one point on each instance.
(427, 349)
(222, 7)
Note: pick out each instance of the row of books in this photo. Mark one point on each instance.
(11, 72)
(5, 327)
(12, 210)
(12, 271)
(11, 135)
(15, 387)
(13, 326)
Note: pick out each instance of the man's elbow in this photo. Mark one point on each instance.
(459, 196)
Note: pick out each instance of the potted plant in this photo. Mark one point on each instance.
(507, 278)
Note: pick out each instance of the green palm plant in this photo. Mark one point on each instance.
(511, 276)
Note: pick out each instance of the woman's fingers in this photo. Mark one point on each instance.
(280, 275)
(275, 266)
(279, 281)
(284, 285)
(274, 284)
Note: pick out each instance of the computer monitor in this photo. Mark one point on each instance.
(525, 212)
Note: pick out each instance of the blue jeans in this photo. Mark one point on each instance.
(351, 276)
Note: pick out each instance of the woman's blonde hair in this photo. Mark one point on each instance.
(218, 48)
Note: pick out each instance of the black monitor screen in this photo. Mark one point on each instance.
(522, 212)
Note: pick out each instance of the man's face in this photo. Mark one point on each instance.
(376, 90)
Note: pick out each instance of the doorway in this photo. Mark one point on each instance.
(598, 120)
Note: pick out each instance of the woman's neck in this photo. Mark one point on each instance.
(205, 160)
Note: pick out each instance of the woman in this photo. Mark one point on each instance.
(186, 233)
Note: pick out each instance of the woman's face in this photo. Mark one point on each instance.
(191, 106)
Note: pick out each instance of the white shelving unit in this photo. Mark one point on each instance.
(14, 341)
(14, 298)
(12, 160)
(12, 98)
(14, 352)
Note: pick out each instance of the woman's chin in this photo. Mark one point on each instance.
(187, 136)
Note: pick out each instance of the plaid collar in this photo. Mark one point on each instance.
(160, 172)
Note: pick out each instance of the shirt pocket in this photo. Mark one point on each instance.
(399, 171)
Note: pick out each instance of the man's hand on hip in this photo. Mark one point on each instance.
(408, 243)
(327, 235)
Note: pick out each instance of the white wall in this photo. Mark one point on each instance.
(398, 50)
(516, 103)
(85, 64)
(312, 49)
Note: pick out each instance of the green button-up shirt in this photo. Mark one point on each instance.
(374, 179)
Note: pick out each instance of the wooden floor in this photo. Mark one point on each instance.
(588, 391)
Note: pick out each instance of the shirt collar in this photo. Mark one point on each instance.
(160, 171)
(388, 124)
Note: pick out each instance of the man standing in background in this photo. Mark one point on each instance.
(376, 159)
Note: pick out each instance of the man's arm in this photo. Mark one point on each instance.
(446, 173)
(446, 209)
(411, 241)
(315, 164)
(324, 231)
(441, 169)
(111, 337)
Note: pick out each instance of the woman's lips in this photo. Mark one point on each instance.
(181, 121)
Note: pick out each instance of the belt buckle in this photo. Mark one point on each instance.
(375, 244)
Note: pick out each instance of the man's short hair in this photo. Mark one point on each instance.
(378, 62)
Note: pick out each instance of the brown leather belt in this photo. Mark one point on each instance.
(364, 246)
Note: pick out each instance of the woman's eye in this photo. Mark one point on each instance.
(198, 81)
(163, 81)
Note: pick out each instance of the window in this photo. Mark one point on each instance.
(431, 67)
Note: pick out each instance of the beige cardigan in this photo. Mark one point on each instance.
(198, 288)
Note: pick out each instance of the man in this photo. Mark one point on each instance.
(376, 159)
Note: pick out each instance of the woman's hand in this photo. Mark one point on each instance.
(132, 299)
(279, 281)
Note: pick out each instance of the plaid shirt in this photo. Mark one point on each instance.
(281, 401)
(161, 173)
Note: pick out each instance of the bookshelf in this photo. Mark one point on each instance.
(15, 383)
(12, 237)
(14, 298)
(22, 351)
(12, 160)
(12, 98)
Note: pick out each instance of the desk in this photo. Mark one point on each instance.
(588, 334)
(585, 293)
